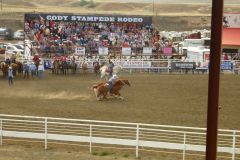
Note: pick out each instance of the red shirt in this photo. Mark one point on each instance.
(36, 58)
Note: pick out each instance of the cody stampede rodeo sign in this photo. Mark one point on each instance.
(89, 18)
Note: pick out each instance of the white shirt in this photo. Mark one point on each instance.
(41, 67)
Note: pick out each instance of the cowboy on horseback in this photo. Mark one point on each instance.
(8, 61)
(111, 82)
(110, 66)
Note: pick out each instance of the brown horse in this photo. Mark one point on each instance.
(59, 67)
(73, 66)
(101, 89)
(56, 67)
(96, 68)
(4, 68)
(19, 67)
(14, 68)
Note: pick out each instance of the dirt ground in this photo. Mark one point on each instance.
(152, 98)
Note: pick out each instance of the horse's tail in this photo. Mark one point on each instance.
(96, 92)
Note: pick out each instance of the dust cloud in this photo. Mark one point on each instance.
(63, 95)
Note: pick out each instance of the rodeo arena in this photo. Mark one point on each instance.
(121, 48)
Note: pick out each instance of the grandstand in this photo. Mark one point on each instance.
(114, 36)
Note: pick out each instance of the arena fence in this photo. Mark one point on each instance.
(162, 65)
(137, 137)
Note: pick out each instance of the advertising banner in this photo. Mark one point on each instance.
(147, 50)
(160, 64)
(90, 18)
(80, 51)
(183, 65)
(126, 51)
(231, 20)
(133, 64)
(167, 51)
(226, 65)
(103, 51)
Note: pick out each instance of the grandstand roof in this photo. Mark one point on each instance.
(231, 37)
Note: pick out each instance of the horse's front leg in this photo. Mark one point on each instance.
(119, 96)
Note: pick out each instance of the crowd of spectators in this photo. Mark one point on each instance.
(62, 37)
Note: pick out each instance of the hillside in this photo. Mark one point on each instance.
(167, 16)
(66, 2)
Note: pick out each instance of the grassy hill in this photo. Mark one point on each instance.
(166, 15)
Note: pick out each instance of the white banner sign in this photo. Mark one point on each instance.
(80, 51)
(126, 51)
(147, 50)
(231, 20)
(133, 64)
(103, 51)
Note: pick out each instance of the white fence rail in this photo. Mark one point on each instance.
(166, 65)
(137, 136)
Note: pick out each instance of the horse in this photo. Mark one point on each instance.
(59, 67)
(19, 67)
(96, 68)
(4, 68)
(14, 68)
(84, 67)
(101, 89)
(73, 67)
(63, 67)
(56, 67)
(105, 71)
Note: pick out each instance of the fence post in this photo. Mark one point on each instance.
(45, 146)
(1, 131)
(168, 65)
(90, 140)
(137, 140)
(234, 145)
(184, 145)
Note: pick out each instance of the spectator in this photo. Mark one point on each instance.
(110, 66)
(41, 70)
(33, 69)
(8, 61)
(26, 70)
(10, 76)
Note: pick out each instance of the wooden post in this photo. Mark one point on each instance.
(214, 74)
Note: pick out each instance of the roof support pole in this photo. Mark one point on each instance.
(214, 75)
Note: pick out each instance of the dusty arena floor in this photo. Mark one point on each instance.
(152, 98)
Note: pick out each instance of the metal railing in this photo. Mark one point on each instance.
(132, 136)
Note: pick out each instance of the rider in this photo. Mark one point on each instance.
(110, 66)
(8, 61)
(111, 82)
(36, 59)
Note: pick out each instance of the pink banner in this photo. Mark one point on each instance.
(167, 51)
